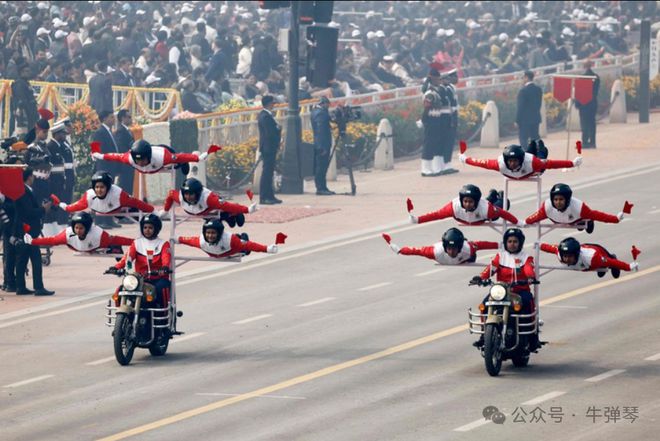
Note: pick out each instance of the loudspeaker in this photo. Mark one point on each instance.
(321, 54)
(323, 11)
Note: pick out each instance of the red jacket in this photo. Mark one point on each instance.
(584, 212)
(228, 245)
(436, 252)
(511, 267)
(536, 166)
(209, 201)
(115, 200)
(488, 212)
(91, 242)
(160, 157)
(140, 252)
(592, 257)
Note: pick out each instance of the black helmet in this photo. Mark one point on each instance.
(82, 218)
(141, 149)
(471, 191)
(513, 151)
(569, 246)
(192, 185)
(213, 224)
(561, 189)
(454, 238)
(153, 220)
(102, 176)
(515, 232)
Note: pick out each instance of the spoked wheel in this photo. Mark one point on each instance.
(124, 343)
(492, 352)
(158, 347)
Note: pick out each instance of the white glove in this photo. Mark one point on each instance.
(63, 205)
(272, 249)
(462, 157)
(27, 239)
(252, 208)
(396, 248)
(161, 213)
(175, 240)
(413, 218)
(203, 156)
(521, 224)
(419, 124)
(620, 215)
(634, 266)
(96, 156)
(577, 161)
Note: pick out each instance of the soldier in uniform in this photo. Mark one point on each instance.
(436, 119)
(57, 151)
(38, 157)
(69, 162)
(451, 79)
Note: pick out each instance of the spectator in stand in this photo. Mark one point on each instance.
(100, 89)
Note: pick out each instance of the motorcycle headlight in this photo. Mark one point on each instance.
(130, 283)
(497, 292)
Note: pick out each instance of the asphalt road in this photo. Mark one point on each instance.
(347, 341)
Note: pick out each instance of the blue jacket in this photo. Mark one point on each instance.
(321, 128)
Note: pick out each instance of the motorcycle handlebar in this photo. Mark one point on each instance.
(488, 282)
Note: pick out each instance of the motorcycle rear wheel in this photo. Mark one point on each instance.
(158, 347)
(124, 345)
(492, 352)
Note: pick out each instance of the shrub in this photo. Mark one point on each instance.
(85, 121)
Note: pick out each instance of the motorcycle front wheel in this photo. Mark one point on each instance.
(492, 352)
(124, 344)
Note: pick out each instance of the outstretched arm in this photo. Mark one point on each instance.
(443, 213)
(58, 239)
(494, 211)
(548, 248)
(489, 164)
(215, 203)
(191, 241)
(484, 245)
(79, 205)
(539, 165)
(588, 213)
(238, 245)
(427, 252)
(127, 201)
(537, 217)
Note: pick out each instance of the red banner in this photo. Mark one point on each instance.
(584, 90)
(561, 88)
(11, 182)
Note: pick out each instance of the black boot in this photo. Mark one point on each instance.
(590, 227)
(479, 343)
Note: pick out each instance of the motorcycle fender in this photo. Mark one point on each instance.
(494, 319)
(125, 309)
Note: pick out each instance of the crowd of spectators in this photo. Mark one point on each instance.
(216, 51)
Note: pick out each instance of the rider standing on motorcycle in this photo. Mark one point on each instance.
(563, 208)
(588, 257)
(468, 208)
(515, 163)
(146, 158)
(105, 197)
(197, 200)
(512, 264)
(81, 235)
(150, 256)
(452, 250)
(218, 243)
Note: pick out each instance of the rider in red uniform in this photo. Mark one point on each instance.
(515, 163)
(452, 250)
(150, 253)
(218, 243)
(468, 208)
(588, 257)
(81, 235)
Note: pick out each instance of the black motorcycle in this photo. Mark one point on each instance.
(508, 334)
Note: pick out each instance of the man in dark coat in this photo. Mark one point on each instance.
(30, 212)
(23, 103)
(270, 134)
(588, 111)
(122, 76)
(322, 145)
(108, 142)
(124, 139)
(528, 116)
(100, 89)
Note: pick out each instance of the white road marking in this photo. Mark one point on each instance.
(655, 357)
(101, 361)
(377, 285)
(187, 337)
(627, 219)
(655, 211)
(572, 233)
(473, 425)
(217, 394)
(52, 313)
(316, 302)
(29, 381)
(252, 319)
(605, 375)
(542, 398)
(566, 306)
(433, 271)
